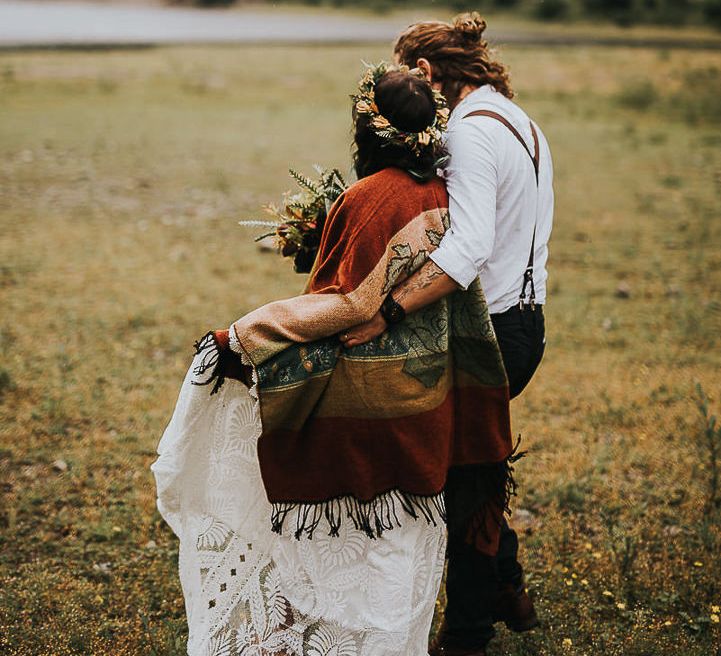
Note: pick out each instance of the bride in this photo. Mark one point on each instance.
(306, 488)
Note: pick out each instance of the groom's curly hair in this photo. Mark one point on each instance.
(407, 102)
(457, 53)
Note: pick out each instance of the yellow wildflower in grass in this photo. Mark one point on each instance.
(607, 593)
(569, 582)
(567, 642)
(715, 618)
(621, 606)
(698, 563)
(716, 609)
(668, 623)
(584, 581)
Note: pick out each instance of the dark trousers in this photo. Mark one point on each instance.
(473, 580)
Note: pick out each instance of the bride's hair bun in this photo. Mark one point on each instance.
(406, 101)
(470, 26)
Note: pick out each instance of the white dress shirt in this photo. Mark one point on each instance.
(494, 202)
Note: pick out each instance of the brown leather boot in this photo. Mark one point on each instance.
(515, 609)
(441, 646)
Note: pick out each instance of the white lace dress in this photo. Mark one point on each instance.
(251, 592)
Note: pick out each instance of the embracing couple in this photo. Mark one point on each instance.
(359, 434)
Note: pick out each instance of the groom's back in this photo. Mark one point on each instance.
(491, 172)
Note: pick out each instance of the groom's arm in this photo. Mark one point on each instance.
(424, 287)
(427, 285)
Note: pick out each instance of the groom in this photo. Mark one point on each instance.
(501, 207)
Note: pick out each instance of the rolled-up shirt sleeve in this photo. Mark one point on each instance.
(472, 180)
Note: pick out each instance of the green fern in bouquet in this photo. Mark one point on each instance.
(299, 221)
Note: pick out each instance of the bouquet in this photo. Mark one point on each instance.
(299, 221)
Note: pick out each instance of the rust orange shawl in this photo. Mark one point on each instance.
(370, 432)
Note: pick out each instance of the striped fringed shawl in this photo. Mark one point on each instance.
(370, 432)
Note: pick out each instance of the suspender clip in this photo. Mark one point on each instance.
(528, 278)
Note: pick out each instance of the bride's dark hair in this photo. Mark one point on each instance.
(407, 102)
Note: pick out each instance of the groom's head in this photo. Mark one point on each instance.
(454, 56)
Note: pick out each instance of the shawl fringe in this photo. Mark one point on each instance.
(480, 495)
(214, 359)
(372, 517)
(486, 495)
(218, 361)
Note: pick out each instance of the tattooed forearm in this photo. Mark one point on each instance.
(425, 286)
(421, 279)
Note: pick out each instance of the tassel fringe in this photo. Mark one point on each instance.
(212, 359)
(474, 494)
(372, 517)
(479, 495)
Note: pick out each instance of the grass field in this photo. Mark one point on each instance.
(122, 176)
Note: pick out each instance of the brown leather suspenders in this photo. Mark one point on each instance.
(535, 157)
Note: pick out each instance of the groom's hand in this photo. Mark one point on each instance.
(425, 286)
(364, 332)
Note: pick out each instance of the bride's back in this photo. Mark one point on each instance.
(370, 214)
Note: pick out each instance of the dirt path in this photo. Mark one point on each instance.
(35, 24)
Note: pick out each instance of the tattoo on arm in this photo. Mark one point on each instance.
(420, 280)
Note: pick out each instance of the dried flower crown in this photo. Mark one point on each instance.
(365, 104)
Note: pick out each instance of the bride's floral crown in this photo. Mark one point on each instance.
(365, 104)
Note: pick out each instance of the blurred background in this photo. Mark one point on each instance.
(134, 136)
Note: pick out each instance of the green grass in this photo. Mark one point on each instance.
(122, 176)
